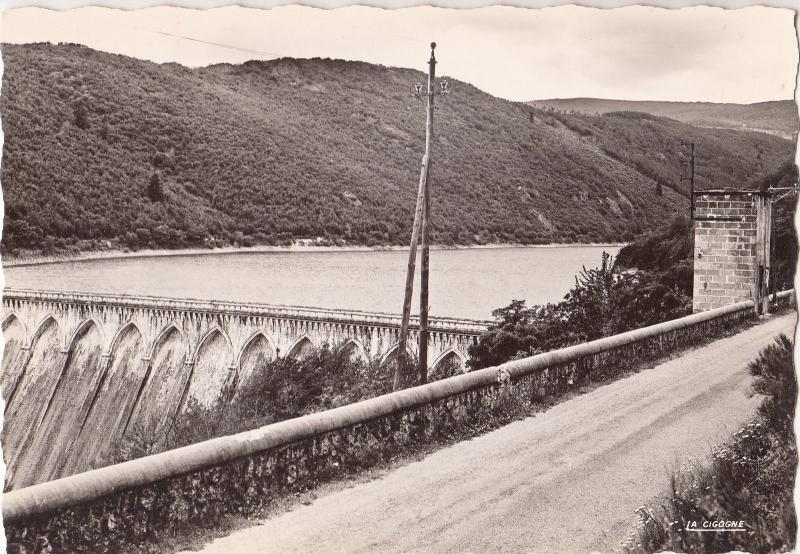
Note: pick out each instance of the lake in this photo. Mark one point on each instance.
(466, 283)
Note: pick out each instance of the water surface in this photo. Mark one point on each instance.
(464, 283)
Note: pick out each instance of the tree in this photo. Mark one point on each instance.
(155, 191)
(603, 302)
(81, 114)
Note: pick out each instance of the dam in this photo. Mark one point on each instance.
(79, 371)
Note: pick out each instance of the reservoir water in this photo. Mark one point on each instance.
(466, 283)
(71, 410)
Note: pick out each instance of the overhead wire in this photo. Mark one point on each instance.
(209, 42)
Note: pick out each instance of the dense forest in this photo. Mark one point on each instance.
(107, 151)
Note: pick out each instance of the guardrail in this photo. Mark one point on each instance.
(451, 324)
(240, 471)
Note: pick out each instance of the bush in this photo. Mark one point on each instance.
(774, 377)
(155, 191)
(277, 390)
(603, 302)
(81, 113)
(750, 479)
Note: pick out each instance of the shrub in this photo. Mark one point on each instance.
(276, 390)
(155, 191)
(774, 377)
(602, 303)
(81, 113)
(750, 479)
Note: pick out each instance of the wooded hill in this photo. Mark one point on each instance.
(102, 149)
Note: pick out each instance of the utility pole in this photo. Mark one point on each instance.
(690, 161)
(763, 249)
(421, 226)
(764, 230)
(771, 202)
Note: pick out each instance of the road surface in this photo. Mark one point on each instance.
(567, 480)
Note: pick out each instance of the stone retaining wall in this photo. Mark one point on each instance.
(241, 474)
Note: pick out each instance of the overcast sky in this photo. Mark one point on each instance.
(641, 53)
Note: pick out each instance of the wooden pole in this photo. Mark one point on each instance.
(759, 255)
(763, 232)
(402, 355)
(426, 215)
(423, 292)
(402, 369)
(692, 185)
(767, 236)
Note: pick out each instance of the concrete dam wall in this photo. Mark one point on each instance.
(80, 372)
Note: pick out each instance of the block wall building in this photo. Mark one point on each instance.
(725, 244)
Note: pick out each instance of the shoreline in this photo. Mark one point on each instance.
(228, 250)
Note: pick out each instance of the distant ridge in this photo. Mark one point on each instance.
(777, 117)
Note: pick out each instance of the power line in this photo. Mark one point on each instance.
(211, 43)
(690, 178)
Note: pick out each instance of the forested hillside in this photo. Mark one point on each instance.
(724, 159)
(103, 150)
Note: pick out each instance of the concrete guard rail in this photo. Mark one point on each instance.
(279, 311)
(37, 501)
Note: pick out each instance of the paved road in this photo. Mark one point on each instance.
(567, 480)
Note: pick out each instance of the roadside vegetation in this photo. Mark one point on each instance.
(650, 281)
(207, 157)
(286, 388)
(276, 390)
(750, 479)
(602, 303)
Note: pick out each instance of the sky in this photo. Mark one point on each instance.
(639, 53)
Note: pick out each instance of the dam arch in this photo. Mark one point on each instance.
(209, 335)
(258, 350)
(355, 350)
(42, 326)
(31, 396)
(15, 353)
(126, 328)
(259, 338)
(391, 355)
(67, 407)
(163, 385)
(301, 347)
(212, 370)
(164, 334)
(10, 319)
(112, 403)
(85, 326)
(450, 362)
(40, 359)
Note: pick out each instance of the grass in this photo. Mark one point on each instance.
(749, 479)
